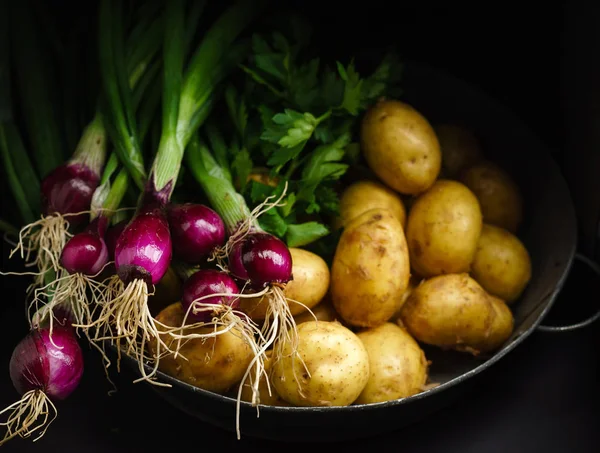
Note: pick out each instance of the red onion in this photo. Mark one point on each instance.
(204, 283)
(111, 237)
(86, 253)
(262, 259)
(196, 230)
(54, 366)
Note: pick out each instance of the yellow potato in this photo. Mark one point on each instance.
(166, 291)
(400, 146)
(370, 269)
(266, 399)
(331, 367)
(460, 149)
(364, 195)
(323, 311)
(309, 286)
(398, 367)
(499, 196)
(442, 229)
(261, 175)
(454, 312)
(413, 282)
(503, 323)
(215, 364)
(502, 264)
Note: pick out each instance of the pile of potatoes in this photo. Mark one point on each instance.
(428, 254)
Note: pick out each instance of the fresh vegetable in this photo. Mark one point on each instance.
(454, 312)
(370, 270)
(498, 194)
(196, 230)
(86, 253)
(400, 146)
(323, 311)
(330, 369)
(307, 289)
(207, 282)
(267, 394)
(397, 364)
(363, 195)
(443, 228)
(502, 264)
(460, 149)
(44, 368)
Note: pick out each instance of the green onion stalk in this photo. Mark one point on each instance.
(143, 250)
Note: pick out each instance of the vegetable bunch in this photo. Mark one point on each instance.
(201, 150)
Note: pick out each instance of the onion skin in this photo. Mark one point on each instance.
(86, 253)
(204, 283)
(68, 189)
(144, 248)
(196, 230)
(236, 266)
(111, 237)
(37, 364)
(264, 258)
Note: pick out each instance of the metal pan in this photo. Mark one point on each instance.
(549, 232)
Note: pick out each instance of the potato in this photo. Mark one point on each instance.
(503, 323)
(499, 196)
(398, 367)
(166, 291)
(331, 367)
(323, 311)
(454, 312)
(400, 146)
(266, 399)
(215, 364)
(310, 282)
(364, 195)
(261, 175)
(460, 149)
(413, 282)
(502, 264)
(443, 228)
(370, 269)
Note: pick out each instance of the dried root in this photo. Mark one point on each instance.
(33, 412)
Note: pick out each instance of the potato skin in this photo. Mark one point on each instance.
(453, 312)
(397, 364)
(400, 146)
(443, 228)
(502, 264)
(503, 324)
(460, 149)
(370, 269)
(215, 364)
(309, 286)
(337, 364)
(323, 311)
(362, 196)
(498, 194)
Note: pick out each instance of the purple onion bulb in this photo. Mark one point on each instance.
(111, 237)
(54, 366)
(68, 189)
(204, 283)
(261, 259)
(144, 250)
(196, 230)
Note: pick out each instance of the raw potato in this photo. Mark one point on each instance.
(331, 368)
(398, 367)
(502, 264)
(323, 311)
(499, 196)
(460, 149)
(455, 312)
(503, 324)
(215, 364)
(370, 269)
(443, 228)
(413, 282)
(364, 195)
(166, 292)
(309, 286)
(400, 146)
(266, 399)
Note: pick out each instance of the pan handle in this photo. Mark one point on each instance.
(586, 322)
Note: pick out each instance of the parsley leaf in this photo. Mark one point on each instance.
(352, 88)
(298, 235)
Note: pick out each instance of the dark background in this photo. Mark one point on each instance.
(541, 61)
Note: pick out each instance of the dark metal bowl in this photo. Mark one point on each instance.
(549, 233)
